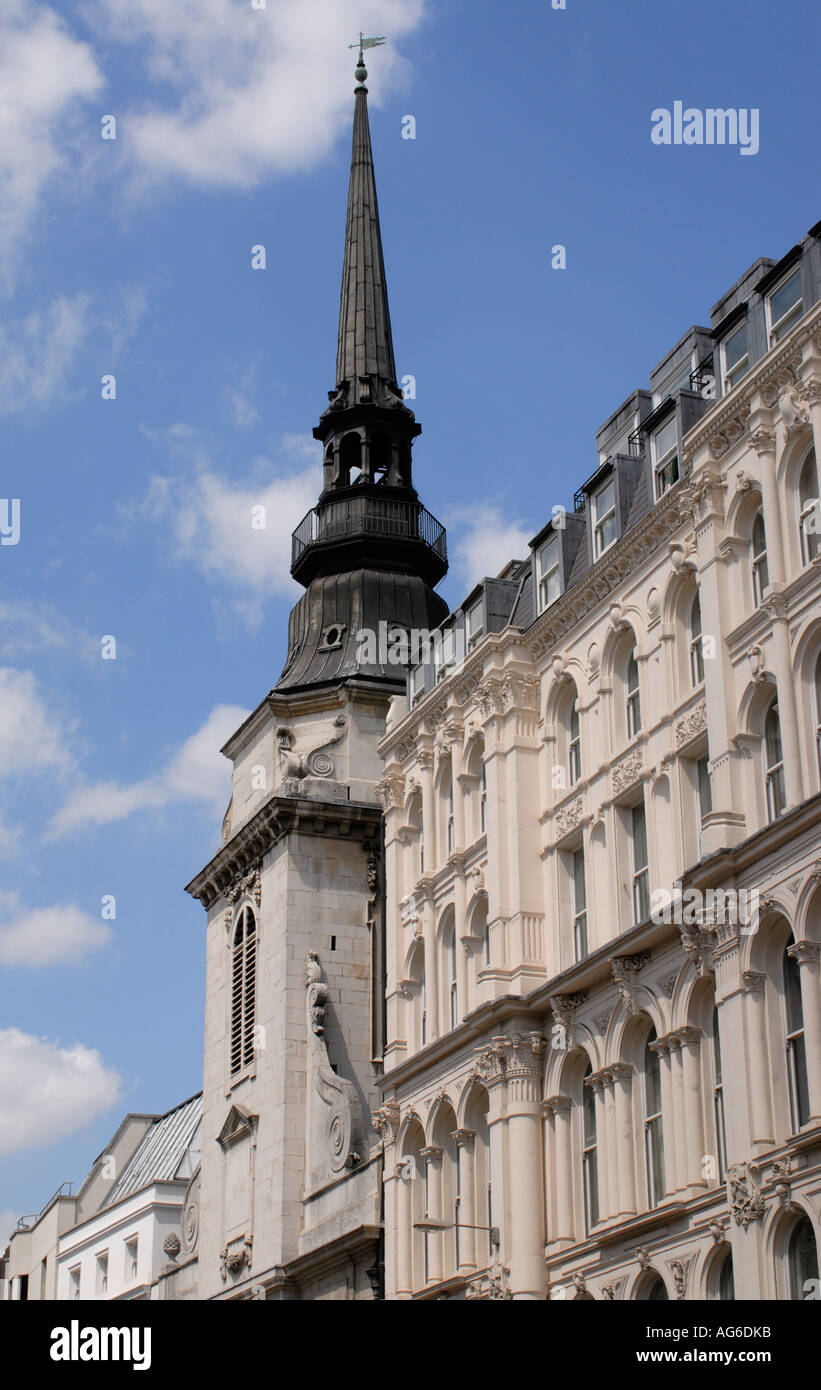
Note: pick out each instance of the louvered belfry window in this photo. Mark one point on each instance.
(243, 990)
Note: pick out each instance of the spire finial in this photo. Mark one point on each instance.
(361, 71)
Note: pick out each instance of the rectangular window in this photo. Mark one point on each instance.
(446, 654)
(785, 306)
(131, 1250)
(74, 1284)
(664, 445)
(102, 1275)
(604, 519)
(579, 905)
(548, 563)
(718, 1101)
(641, 868)
(735, 356)
(416, 684)
(705, 790)
(474, 622)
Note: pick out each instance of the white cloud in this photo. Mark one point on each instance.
(34, 738)
(246, 93)
(50, 936)
(216, 521)
(45, 76)
(28, 626)
(37, 352)
(485, 541)
(47, 1091)
(197, 772)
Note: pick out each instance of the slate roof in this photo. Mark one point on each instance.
(160, 1152)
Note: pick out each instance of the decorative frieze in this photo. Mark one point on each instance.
(691, 724)
(568, 817)
(627, 771)
(745, 1199)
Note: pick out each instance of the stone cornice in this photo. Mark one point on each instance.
(279, 816)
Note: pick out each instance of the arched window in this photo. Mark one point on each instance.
(718, 1101)
(653, 1130)
(809, 518)
(696, 651)
(773, 763)
(417, 975)
(796, 1046)
(483, 793)
(654, 1290)
(243, 990)
(725, 1286)
(761, 573)
(802, 1259)
(579, 905)
(574, 745)
(590, 1172)
(350, 458)
(633, 697)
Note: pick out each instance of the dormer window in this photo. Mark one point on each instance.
(664, 445)
(416, 684)
(548, 565)
(604, 519)
(735, 357)
(447, 654)
(474, 625)
(785, 306)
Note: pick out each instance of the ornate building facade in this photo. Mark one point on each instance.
(602, 799)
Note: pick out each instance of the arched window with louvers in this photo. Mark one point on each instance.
(243, 990)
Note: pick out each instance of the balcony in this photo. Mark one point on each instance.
(337, 523)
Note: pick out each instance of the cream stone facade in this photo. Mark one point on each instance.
(587, 1093)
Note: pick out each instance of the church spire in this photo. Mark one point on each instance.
(364, 359)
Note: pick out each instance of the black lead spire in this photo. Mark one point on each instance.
(369, 553)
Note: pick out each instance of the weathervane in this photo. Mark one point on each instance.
(365, 43)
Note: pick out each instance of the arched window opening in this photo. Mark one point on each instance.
(725, 1287)
(417, 975)
(243, 991)
(773, 763)
(633, 697)
(574, 747)
(761, 573)
(795, 1040)
(590, 1172)
(350, 458)
(696, 648)
(718, 1102)
(653, 1125)
(802, 1260)
(453, 993)
(380, 451)
(809, 509)
(654, 1290)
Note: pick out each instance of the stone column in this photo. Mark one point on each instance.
(807, 954)
(693, 1114)
(612, 1174)
(677, 1178)
(424, 759)
(559, 1110)
(403, 1202)
(466, 1157)
(462, 955)
(458, 795)
(624, 1155)
(433, 1161)
(523, 1072)
(762, 439)
(758, 1060)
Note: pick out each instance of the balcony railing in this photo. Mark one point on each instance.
(338, 519)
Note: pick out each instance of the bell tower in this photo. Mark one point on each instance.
(290, 1181)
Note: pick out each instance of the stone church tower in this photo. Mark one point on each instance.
(290, 1184)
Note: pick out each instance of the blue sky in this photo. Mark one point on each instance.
(132, 257)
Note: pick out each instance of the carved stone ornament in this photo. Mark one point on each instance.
(680, 1269)
(696, 945)
(718, 1231)
(733, 428)
(191, 1216)
(492, 1285)
(691, 724)
(564, 1008)
(312, 762)
(172, 1246)
(235, 1257)
(249, 885)
(628, 771)
(745, 1199)
(624, 970)
(386, 1121)
(391, 791)
(568, 817)
(643, 1257)
(334, 1140)
(612, 1289)
(780, 1175)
